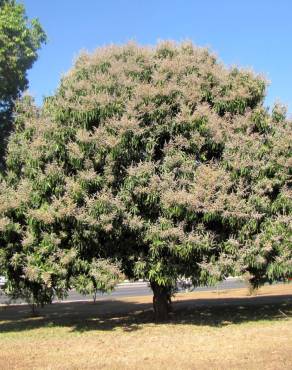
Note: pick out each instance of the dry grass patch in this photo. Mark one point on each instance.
(206, 332)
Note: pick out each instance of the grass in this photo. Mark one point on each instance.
(208, 330)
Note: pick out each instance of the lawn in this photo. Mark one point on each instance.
(208, 330)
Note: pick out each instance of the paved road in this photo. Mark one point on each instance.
(136, 289)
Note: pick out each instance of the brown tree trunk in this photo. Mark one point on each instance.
(161, 301)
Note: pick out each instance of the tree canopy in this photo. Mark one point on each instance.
(20, 40)
(160, 160)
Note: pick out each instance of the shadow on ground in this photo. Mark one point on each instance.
(130, 316)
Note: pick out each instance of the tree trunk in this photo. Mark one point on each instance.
(161, 301)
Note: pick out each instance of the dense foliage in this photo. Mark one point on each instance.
(159, 158)
(20, 40)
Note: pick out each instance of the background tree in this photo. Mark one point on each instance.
(20, 40)
(159, 158)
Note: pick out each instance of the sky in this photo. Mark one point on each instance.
(254, 34)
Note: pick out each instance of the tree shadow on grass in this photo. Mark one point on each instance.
(130, 316)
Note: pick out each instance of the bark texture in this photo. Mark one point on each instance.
(161, 301)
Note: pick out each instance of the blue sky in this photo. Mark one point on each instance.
(255, 34)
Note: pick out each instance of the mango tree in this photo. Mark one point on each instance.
(160, 160)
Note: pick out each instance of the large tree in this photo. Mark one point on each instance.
(159, 158)
(20, 40)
